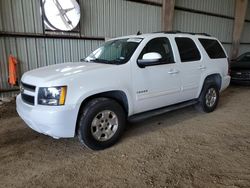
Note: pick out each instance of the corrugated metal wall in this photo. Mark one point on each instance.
(105, 18)
(118, 17)
(245, 39)
(20, 16)
(156, 1)
(222, 7)
(220, 27)
(248, 11)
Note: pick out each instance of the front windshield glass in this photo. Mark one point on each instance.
(115, 51)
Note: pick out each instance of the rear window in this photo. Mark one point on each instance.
(187, 49)
(213, 48)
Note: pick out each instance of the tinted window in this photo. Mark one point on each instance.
(187, 49)
(213, 48)
(162, 46)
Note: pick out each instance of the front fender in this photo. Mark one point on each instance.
(88, 94)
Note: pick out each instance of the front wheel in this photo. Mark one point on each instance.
(209, 97)
(101, 123)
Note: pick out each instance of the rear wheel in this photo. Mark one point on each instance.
(209, 97)
(101, 123)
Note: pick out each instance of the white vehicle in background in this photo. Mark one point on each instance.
(127, 78)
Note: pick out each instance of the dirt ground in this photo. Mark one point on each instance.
(184, 148)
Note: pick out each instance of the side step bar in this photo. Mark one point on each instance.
(151, 113)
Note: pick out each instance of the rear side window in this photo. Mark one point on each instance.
(187, 49)
(213, 48)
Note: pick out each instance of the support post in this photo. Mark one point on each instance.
(167, 14)
(239, 19)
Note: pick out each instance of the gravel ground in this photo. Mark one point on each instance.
(184, 148)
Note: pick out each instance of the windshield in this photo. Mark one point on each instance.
(115, 51)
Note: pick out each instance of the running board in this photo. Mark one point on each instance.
(151, 113)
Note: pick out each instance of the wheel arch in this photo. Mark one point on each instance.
(212, 78)
(117, 95)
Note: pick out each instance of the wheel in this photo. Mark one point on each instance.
(101, 123)
(209, 97)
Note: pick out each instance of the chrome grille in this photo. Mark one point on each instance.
(28, 99)
(28, 93)
(28, 87)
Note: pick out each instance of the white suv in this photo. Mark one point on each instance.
(127, 78)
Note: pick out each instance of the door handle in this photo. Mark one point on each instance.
(202, 67)
(173, 71)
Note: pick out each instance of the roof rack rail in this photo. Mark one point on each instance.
(171, 32)
(205, 34)
(177, 31)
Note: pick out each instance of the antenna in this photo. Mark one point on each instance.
(138, 33)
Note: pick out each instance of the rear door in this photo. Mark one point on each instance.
(191, 67)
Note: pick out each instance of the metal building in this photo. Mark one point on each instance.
(22, 31)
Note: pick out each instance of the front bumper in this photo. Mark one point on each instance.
(245, 82)
(241, 77)
(55, 121)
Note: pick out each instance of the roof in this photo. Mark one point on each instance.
(146, 35)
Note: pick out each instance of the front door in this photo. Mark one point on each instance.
(157, 85)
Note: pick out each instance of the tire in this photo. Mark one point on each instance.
(101, 123)
(209, 97)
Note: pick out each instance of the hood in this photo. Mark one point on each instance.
(60, 71)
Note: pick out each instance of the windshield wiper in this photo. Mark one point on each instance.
(116, 62)
(88, 61)
(97, 60)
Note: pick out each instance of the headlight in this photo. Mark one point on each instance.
(53, 96)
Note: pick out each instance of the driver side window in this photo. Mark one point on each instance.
(162, 46)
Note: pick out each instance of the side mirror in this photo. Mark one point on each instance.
(149, 59)
(151, 56)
